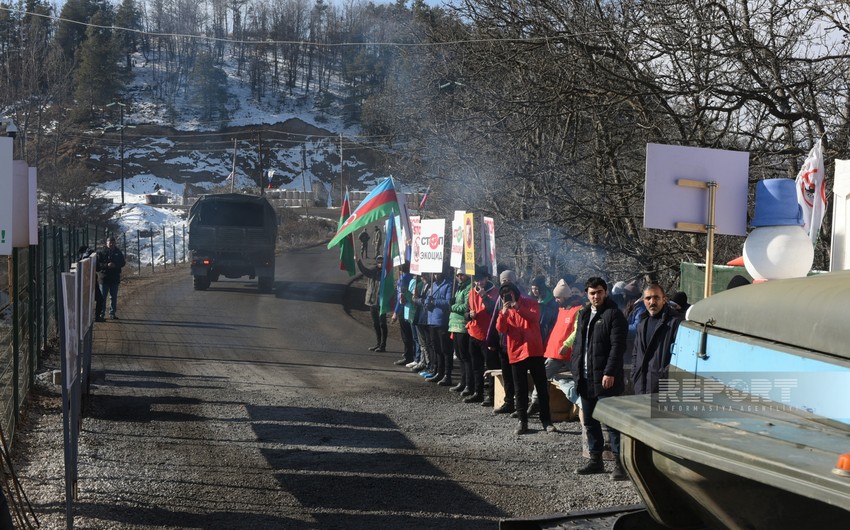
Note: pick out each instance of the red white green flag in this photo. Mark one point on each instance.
(377, 205)
(346, 246)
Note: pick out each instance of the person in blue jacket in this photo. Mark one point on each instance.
(438, 305)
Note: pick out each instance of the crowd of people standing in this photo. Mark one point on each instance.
(587, 331)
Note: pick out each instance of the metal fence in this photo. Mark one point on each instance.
(28, 296)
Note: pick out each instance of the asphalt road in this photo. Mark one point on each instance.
(232, 409)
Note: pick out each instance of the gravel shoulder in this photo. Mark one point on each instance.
(208, 448)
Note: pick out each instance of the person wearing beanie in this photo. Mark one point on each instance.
(507, 276)
(519, 322)
(558, 353)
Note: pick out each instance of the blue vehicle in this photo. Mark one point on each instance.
(752, 428)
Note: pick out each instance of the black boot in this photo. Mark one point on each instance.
(522, 428)
(445, 381)
(474, 398)
(460, 387)
(618, 473)
(488, 399)
(507, 407)
(594, 466)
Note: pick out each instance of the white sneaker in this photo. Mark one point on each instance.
(411, 364)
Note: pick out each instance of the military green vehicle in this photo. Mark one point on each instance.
(232, 235)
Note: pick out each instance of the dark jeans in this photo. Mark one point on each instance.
(595, 439)
(462, 349)
(535, 366)
(406, 331)
(507, 374)
(477, 354)
(443, 350)
(423, 331)
(380, 323)
(110, 289)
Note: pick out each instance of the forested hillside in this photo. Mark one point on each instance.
(535, 113)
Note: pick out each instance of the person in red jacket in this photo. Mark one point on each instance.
(519, 322)
(482, 304)
(557, 354)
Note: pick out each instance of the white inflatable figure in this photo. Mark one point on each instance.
(777, 247)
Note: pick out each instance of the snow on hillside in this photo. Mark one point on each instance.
(137, 215)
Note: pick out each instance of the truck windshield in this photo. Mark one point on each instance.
(221, 213)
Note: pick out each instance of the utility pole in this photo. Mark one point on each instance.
(121, 106)
(303, 180)
(341, 172)
(233, 171)
(260, 162)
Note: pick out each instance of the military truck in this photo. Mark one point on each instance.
(232, 235)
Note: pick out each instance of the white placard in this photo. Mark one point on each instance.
(33, 209)
(457, 239)
(71, 323)
(432, 241)
(415, 231)
(488, 239)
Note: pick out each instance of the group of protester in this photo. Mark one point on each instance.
(541, 332)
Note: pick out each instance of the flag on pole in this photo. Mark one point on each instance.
(346, 246)
(424, 197)
(388, 290)
(811, 191)
(378, 204)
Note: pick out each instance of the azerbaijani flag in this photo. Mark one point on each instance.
(346, 247)
(388, 288)
(376, 205)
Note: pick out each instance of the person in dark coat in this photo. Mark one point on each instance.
(656, 334)
(597, 366)
(110, 261)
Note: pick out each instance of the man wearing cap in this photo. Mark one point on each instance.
(482, 306)
(597, 366)
(373, 300)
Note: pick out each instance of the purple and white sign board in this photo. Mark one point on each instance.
(667, 203)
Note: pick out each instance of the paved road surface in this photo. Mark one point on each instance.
(234, 409)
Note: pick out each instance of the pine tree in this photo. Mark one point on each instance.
(97, 79)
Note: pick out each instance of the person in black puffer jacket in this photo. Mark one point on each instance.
(110, 261)
(597, 366)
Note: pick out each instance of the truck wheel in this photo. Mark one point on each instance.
(201, 282)
(265, 283)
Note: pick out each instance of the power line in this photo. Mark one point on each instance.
(525, 40)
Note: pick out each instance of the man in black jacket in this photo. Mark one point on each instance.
(654, 340)
(110, 260)
(597, 366)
